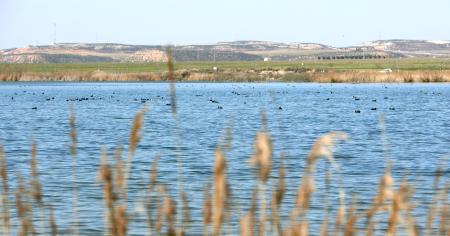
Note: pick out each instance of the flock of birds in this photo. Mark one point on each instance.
(145, 100)
(372, 108)
(214, 101)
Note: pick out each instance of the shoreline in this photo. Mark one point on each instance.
(235, 76)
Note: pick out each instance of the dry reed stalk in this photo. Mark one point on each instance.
(36, 192)
(439, 205)
(298, 229)
(149, 212)
(322, 147)
(445, 217)
(171, 78)
(120, 214)
(120, 220)
(384, 193)
(159, 212)
(186, 215)
(173, 105)
(324, 226)
(400, 201)
(73, 153)
(433, 205)
(207, 211)
(24, 209)
(340, 214)
(5, 192)
(408, 220)
(411, 225)
(109, 196)
(166, 212)
(349, 228)
(169, 212)
(277, 197)
(52, 223)
(220, 192)
(262, 159)
(73, 135)
(119, 179)
(150, 190)
(228, 138)
(135, 136)
(394, 215)
(247, 223)
(384, 141)
(154, 174)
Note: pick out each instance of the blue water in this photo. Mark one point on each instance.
(417, 133)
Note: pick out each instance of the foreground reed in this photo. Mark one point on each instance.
(394, 206)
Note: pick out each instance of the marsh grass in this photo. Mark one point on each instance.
(242, 75)
(339, 71)
(169, 215)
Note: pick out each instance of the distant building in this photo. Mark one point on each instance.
(267, 59)
(387, 70)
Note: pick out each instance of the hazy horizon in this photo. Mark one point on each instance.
(343, 23)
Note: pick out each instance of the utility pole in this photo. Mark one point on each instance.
(54, 34)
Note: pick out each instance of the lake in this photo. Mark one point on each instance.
(417, 134)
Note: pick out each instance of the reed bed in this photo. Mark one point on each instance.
(168, 214)
(382, 77)
(237, 75)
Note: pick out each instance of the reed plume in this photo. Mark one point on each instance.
(135, 137)
(169, 210)
(262, 159)
(322, 147)
(220, 192)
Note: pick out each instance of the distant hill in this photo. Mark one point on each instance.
(413, 48)
(222, 51)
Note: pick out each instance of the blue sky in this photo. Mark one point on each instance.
(339, 23)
